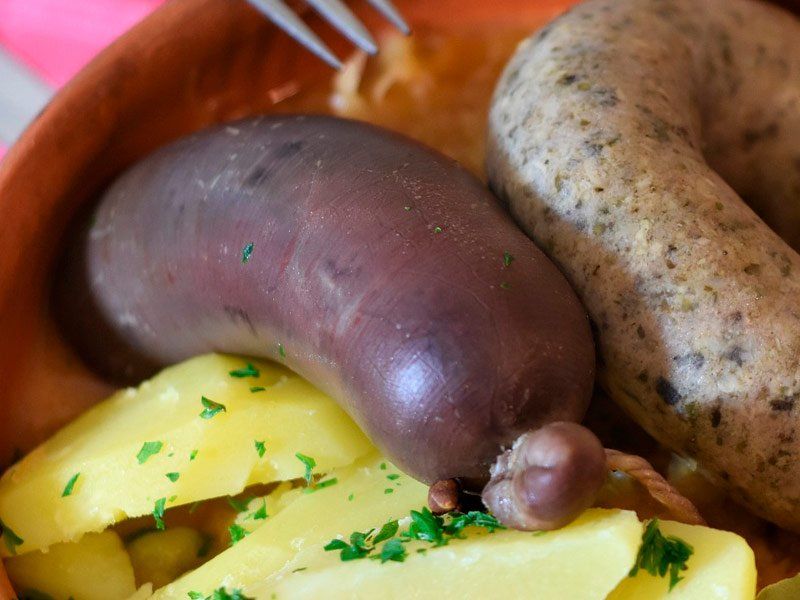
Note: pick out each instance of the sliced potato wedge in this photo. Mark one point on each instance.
(159, 557)
(285, 556)
(785, 589)
(95, 568)
(262, 508)
(306, 523)
(583, 561)
(151, 444)
(722, 567)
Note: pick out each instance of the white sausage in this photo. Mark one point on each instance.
(618, 135)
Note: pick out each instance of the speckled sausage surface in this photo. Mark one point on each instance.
(618, 135)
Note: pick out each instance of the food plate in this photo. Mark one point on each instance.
(192, 64)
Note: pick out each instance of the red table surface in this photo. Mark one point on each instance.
(55, 38)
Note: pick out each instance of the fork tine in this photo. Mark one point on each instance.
(283, 17)
(338, 15)
(387, 9)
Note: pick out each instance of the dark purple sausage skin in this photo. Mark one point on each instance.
(380, 270)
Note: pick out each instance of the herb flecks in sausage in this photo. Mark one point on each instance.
(669, 260)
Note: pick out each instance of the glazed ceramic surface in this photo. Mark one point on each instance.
(191, 64)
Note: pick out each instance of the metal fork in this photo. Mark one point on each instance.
(23, 94)
(338, 15)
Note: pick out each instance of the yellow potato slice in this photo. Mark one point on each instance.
(95, 568)
(721, 568)
(308, 521)
(159, 557)
(143, 593)
(206, 457)
(785, 589)
(583, 561)
(261, 508)
(285, 556)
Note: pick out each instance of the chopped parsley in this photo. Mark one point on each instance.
(239, 505)
(393, 477)
(660, 554)
(173, 477)
(257, 388)
(505, 286)
(220, 594)
(211, 408)
(388, 491)
(389, 530)
(309, 464)
(193, 454)
(261, 447)
(363, 544)
(148, 449)
(248, 371)
(425, 527)
(406, 208)
(70, 485)
(432, 528)
(238, 533)
(359, 547)
(383, 466)
(281, 351)
(393, 550)
(172, 499)
(508, 258)
(158, 513)
(11, 539)
(473, 518)
(297, 570)
(261, 513)
(350, 497)
(247, 252)
(437, 229)
(321, 485)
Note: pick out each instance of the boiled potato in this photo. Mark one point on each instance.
(590, 558)
(722, 567)
(159, 557)
(143, 593)
(151, 444)
(94, 568)
(584, 560)
(260, 509)
(307, 521)
(786, 589)
(599, 548)
(279, 551)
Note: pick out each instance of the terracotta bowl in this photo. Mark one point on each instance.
(191, 64)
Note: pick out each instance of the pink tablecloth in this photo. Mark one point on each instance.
(56, 38)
